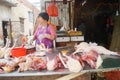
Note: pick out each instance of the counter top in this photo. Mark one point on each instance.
(104, 68)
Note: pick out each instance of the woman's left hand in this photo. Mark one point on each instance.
(44, 36)
(41, 37)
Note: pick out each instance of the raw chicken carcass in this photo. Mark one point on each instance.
(54, 62)
(32, 63)
(92, 58)
(2, 64)
(8, 69)
(79, 58)
(51, 61)
(72, 64)
(59, 63)
(99, 62)
(38, 64)
(85, 47)
(25, 66)
(7, 52)
(1, 71)
(8, 66)
(3, 50)
(51, 64)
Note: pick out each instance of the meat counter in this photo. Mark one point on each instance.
(110, 63)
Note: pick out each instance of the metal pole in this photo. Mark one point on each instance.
(11, 38)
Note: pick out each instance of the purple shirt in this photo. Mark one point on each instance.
(48, 30)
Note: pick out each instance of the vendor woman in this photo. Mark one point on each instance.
(45, 33)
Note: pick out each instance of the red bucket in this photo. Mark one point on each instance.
(18, 52)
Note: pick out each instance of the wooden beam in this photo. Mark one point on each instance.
(71, 76)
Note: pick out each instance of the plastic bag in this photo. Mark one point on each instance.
(52, 10)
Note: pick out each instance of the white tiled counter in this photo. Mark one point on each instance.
(77, 38)
(63, 40)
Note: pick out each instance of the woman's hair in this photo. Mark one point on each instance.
(44, 15)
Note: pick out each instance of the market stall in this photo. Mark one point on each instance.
(71, 57)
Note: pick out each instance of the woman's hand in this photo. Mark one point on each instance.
(31, 41)
(47, 36)
(41, 37)
(44, 36)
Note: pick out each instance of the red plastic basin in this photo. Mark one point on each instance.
(18, 52)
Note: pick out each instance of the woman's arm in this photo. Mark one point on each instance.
(49, 36)
(35, 33)
(52, 30)
(34, 37)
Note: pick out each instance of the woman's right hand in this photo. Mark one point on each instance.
(43, 36)
(31, 41)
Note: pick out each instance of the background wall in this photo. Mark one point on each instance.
(5, 13)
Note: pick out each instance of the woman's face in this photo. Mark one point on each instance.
(41, 20)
